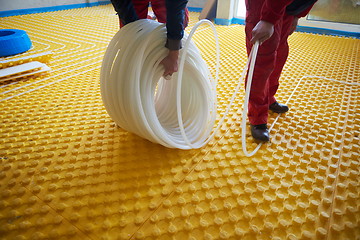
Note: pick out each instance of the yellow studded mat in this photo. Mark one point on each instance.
(67, 172)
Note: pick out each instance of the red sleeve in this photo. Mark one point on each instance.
(305, 12)
(273, 10)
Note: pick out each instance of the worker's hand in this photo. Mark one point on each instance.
(294, 25)
(170, 63)
(262, 32)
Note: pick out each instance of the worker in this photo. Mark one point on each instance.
(270, 22)
(171, 12)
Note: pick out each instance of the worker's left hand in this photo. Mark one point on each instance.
(262, 31)
(294, 25)
(170, 63)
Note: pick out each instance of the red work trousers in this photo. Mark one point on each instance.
(271, 58)
(158, 7)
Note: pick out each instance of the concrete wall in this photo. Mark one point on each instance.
(195, 3)
(8, 5)
(225, 9)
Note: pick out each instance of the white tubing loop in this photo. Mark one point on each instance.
(220, 123)
(251, 60)
(205, 138)
(140, 101)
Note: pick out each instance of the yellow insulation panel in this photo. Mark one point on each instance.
(67, 172)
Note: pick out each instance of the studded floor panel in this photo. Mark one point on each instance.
(67, 172)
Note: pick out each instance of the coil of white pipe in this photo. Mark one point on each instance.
(177, 113)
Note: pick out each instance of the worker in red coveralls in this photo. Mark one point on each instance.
(270, 22)
(172, 12)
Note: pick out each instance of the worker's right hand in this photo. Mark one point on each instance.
(170, 63)
(262, 32)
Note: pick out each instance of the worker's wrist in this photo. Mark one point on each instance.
(173, 44)
(266, 23)
(174, 54)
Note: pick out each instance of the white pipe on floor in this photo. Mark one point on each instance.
(183, 112)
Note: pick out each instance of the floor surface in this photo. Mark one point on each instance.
(67, 172)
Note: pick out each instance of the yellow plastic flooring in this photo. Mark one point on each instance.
(67, 172)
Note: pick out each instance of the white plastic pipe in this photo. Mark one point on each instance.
(251, 60)
(179, 113)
